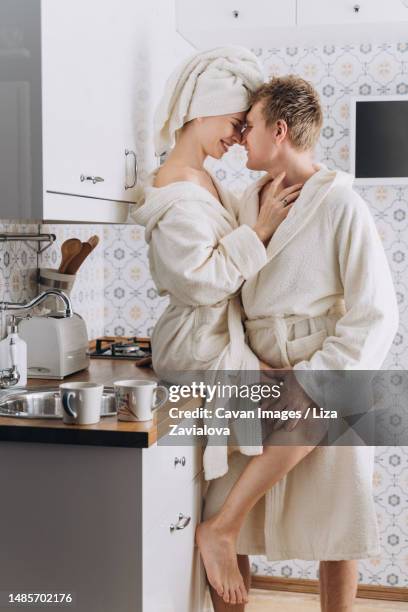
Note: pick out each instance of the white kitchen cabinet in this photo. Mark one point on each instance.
(231, 21)
(321, 12)
(271, 24)
(89, 93)
(234, 14)
(173, 578)
(101, 65)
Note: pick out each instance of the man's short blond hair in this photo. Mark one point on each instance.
(294, 100)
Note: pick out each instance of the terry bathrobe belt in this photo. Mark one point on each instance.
(281, 326)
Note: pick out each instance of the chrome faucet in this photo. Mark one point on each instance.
(37, 300)
(10, 376)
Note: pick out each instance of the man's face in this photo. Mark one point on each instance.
(259, 140)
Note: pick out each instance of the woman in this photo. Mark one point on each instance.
(199, 256)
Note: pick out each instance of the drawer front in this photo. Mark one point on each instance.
(173, 575)
(177, 463)
(321, 12)
(234, 14)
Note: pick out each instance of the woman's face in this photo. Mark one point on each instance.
(219, 133)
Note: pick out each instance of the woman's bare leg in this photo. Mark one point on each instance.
(219, 604)
(216, 537)
(339, 586)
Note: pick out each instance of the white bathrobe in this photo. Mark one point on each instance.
(199, 257)
(324, 301)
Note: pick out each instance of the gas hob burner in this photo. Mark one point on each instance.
(114, 347)
(119, 348)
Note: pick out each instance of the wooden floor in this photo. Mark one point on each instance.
(276, 601)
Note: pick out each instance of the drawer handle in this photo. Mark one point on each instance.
(235, 14)
(181, 523)
(356, 8)
(94, 179)
(181, 460)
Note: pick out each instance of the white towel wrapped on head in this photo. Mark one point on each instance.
(209, 83)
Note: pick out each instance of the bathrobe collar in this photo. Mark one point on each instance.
(310, 199)
(156, 201)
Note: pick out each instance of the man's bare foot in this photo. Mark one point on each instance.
(220, 561)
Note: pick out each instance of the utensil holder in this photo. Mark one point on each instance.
(49, 278)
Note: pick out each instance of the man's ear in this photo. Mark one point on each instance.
(281, 130)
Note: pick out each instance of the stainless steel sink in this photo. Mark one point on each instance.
(44, 403)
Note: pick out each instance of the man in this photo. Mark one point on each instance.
(324, 301)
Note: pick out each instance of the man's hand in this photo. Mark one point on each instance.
(272, 376)
(293, 397)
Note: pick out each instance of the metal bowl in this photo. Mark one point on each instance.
(45, 403)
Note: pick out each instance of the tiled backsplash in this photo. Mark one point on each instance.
(115, 294)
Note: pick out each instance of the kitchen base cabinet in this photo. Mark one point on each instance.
(171, 562)
(74, 520)
(173, 577)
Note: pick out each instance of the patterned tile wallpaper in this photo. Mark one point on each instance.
(115, 293)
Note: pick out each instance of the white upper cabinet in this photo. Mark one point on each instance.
(260, 23)
(321, 12)
(237, 14)
(218, 22)
(88, 90)
(102, 62)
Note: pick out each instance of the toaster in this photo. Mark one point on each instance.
(56, 346)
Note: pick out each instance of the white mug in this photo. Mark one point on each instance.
(81, 402)
(137, 400)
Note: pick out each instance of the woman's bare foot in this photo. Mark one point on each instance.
(220, 561)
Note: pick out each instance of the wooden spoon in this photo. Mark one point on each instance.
(69, 249)
(93, 241)
(78, 260)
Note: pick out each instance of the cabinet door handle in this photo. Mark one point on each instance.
(129, 152)
(356, 8)
(181, 523)
(181, 460)
(94, 179)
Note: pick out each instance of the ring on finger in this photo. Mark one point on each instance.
(284, 202)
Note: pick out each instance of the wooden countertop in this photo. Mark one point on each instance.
(109, 431)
